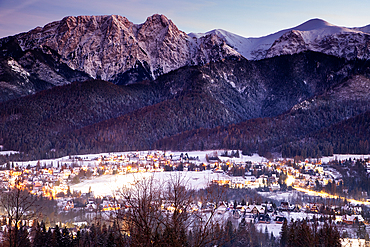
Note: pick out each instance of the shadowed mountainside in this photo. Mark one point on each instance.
(267, 104)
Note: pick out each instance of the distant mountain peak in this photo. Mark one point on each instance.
(159, 18)
(313, 24)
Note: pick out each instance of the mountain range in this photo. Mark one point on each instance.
(101, 83)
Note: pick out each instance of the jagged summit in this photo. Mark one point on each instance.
(113, 48)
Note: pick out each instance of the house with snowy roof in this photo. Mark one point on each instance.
(352, 219)
(255, 209)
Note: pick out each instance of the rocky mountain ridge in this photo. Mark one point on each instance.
(114, 49)
(314, 35)
(106, 46)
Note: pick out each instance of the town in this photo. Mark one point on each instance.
(69, 183)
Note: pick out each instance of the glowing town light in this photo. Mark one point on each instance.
(289, 181)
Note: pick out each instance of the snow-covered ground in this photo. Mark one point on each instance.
(8, 152)
(108, 184)
(272, 227)
(284, 196)
(353, 242)
(200, 154)
(344, 157)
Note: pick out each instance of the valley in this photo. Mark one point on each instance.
(96, 113)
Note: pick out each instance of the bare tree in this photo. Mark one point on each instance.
(179, 198)
(19, 207)
(142, 217)
(206, 223)
(163, 213)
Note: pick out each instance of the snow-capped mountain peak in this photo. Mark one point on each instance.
(113, 48)
(314, 35)
(321, 36)
(313, 24)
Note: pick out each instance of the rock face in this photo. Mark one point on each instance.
(347, 45)
(107, 47)
(27, 72)
(291, 42)
(114, 49)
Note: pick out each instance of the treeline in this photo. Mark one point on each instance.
(305, 133)
(296, 233)
(349, 136)
(111, 235)
(39, 236)
(356, 181)
(303, 233)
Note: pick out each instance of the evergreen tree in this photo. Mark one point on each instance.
(65, 239)
(284, 234)
(38, 235)
(229, 232)
(77, 241)
(56, 236)
(293, 234)
(49, 238)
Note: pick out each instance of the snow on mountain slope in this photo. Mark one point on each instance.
(106, 47)
(365, 29)
(247, 47)
(114, 49)
(315, 34)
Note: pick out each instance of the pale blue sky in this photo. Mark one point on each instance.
(248, 18)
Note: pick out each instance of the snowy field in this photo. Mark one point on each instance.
(283, 196)
(272, 227)
(108, 184)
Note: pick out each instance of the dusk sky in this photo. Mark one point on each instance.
(246, 18)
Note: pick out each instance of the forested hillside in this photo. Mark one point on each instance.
(301, 131)
(271, 105)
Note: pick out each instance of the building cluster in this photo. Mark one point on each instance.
(274, 174)
(52, 179)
